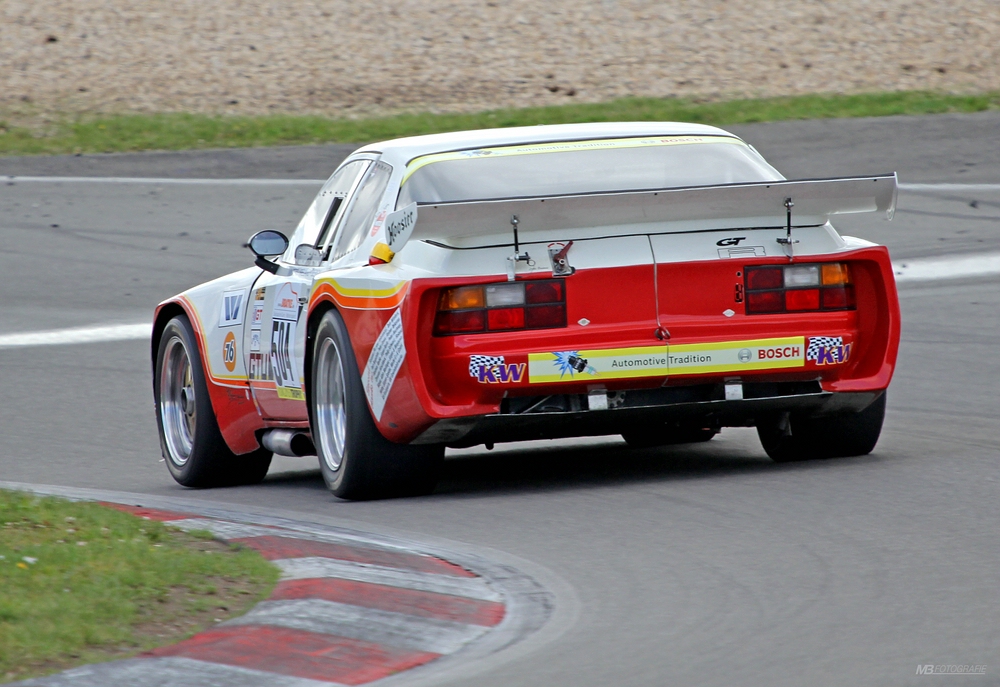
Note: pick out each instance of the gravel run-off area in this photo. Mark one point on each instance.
(350, 58)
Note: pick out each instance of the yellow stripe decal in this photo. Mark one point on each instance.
(361, 293)
(667, 361)
(563, 147)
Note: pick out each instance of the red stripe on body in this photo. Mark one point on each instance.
(273, 548)
(386, 598)
(298, 653)
(148, 513)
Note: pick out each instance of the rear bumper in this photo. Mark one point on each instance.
(703, 405)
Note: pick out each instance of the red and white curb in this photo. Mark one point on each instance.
(350, 609)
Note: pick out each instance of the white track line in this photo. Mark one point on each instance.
(162, 181)
(916, 188)
(947, 267)
(77, 335)
(944, 188)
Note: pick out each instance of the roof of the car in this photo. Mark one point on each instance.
(400, 151)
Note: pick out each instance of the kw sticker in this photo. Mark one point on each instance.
(229, 351)
(828, 350)
(663, 361)
(493, 369)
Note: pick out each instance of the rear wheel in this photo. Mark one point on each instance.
(357, 462)
(792, 438)
(190, 440)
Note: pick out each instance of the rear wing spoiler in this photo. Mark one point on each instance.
(727, 206)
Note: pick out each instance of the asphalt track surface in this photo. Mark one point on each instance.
(697, 565)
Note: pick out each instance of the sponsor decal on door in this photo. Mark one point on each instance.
(284, 316)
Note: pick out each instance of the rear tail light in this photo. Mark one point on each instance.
(798, 288)
(536, 304)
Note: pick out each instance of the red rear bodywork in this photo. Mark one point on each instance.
(618, 309)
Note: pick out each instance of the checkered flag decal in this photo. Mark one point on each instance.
(818, 342)
(487, 361)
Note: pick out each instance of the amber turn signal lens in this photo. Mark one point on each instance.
(835, 274)
(462, 298)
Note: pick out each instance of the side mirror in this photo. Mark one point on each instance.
(265, 244)
(307, 256)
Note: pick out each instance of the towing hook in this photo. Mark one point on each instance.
(662, 333)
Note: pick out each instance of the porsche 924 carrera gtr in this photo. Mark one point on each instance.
(654, 280)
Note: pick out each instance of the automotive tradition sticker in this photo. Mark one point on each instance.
(828, 350)
(661, 361)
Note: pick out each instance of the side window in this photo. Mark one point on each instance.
(324, 205)
(362, 210)
(337, 189)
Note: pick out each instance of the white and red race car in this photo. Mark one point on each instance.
(654, 280)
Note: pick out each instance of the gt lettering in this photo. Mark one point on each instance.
(777, 353)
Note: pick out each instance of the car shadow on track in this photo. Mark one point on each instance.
(594, 463)
(609, 463)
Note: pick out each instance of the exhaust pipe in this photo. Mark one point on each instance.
(288, 442)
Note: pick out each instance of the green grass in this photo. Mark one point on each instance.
(119, 133)
(80, 583)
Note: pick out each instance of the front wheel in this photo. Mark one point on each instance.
(190, 440)
(793, 438)
(356, 461)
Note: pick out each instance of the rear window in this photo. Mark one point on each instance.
(551, 169)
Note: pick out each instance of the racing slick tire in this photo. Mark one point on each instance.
(799, 438)
(357, 462)
(667, 436)
(190, 440)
